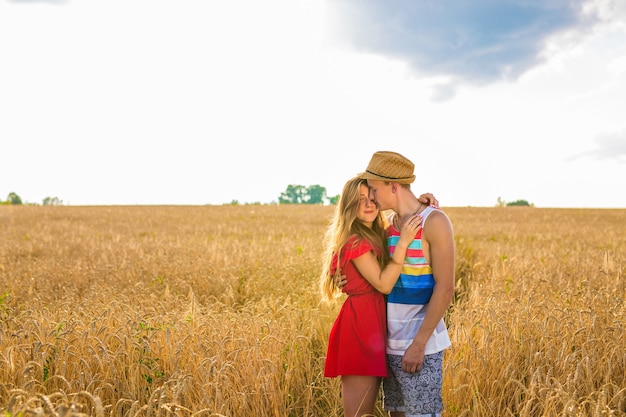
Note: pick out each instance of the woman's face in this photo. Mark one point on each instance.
(368, 210)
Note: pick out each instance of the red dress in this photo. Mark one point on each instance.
(356, 345)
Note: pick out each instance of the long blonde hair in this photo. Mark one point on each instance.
(343, 225)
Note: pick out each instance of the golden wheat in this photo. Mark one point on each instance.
(214, 311)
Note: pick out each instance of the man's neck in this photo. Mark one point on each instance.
(409, 207)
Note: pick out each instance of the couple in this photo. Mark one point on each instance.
(409, 257)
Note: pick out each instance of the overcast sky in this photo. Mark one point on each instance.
(106, 102)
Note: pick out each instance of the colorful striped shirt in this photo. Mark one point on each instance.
(408, 301)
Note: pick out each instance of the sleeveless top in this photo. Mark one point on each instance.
(408, 301)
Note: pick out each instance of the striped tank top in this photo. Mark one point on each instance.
(408, 301)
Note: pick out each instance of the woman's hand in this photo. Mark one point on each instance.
(409, 229)
(428, 198)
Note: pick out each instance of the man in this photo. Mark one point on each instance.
(417, 334)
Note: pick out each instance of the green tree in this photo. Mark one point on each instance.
(13, 198)
(294, 194)
(52, 201)
(518, 203)
(299, 194)
(315, 194)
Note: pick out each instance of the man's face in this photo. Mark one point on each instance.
(380, 192)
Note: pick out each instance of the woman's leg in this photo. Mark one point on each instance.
(359, 394)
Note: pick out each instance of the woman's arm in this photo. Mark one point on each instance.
(384, 280)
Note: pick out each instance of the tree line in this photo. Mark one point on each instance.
(15, 199)
(294, 194)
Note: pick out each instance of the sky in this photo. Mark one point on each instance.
(194, 102)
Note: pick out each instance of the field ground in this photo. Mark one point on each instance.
(215, 311)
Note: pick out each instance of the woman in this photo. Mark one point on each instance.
(355, 248)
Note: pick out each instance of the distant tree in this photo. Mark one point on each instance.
(13, 198)
(518, 203)
(315, 194)
(500, 202)
(52, 201)
(294, 194)
(299, 194)
(334, 199)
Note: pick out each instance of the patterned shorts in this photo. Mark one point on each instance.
(418, 394)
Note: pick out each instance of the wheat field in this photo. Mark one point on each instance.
(215, 311)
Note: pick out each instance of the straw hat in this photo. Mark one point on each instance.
(389, 166)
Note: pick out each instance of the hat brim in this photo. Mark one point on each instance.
(371, 176)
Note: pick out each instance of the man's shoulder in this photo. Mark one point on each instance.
(437, 222)
(437, 213)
